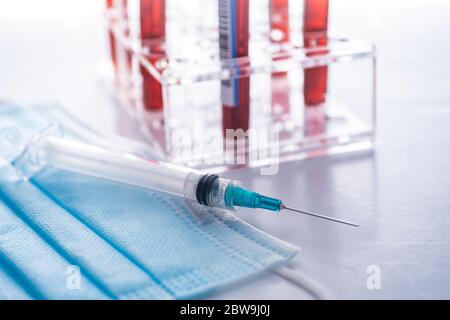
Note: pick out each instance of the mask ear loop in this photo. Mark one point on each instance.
(299, 279)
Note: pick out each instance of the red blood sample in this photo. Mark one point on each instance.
(315, 28)
(128, 53)
(280, 33)
(279, 20)
(153, 32)
(153, 19)
(112, 39)
(234, 35)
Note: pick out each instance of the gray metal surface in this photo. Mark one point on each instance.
(400, 194)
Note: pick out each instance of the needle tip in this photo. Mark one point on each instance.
(282, 206)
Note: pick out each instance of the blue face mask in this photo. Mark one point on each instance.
(64, 235)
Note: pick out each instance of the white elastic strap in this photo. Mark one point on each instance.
(302, 281)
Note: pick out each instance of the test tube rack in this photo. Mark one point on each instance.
(188, 128)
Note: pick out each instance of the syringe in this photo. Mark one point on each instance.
(49, 150)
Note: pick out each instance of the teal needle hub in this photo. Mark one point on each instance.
(240, 197)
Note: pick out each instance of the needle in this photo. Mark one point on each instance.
(320, 216)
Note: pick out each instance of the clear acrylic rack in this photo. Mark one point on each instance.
(186, 65)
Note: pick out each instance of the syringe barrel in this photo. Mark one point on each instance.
(48, 150)
(95, 161)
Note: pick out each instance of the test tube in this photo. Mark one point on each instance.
(315, 27)
(153, 19)
(110, 4)
(234, 35)
(122, 53)
(279, 35)
(153, 32)
(128, 53)
(279, 21)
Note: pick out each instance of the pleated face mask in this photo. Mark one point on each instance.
(69, 236)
